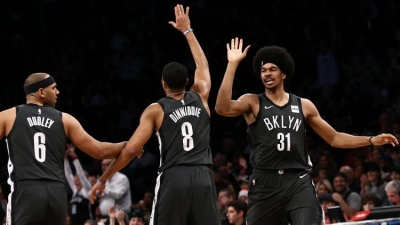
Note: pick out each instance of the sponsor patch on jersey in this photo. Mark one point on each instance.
(295, 109)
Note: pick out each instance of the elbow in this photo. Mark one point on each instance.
(221, 110)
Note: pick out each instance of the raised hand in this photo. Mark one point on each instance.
(182, 19)
(383, 139)
(71, 150)
(235, 53)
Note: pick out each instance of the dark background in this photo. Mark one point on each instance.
(107, 58)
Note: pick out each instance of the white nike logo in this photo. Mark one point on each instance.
(269, 107)
(303, 176)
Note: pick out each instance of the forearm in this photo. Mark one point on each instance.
(120, 162)
(111, 150)
(343, 140)
(225, 91)
(347, 209)
(197, 52)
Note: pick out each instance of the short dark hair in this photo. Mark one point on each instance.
(239, 205)
(370, 197)
(175, 75)
(340, 174)
(276, 55)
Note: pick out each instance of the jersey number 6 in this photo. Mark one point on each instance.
(39, 141)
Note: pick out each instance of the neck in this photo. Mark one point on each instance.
(277, 96)
(33, 99)
(240, 221)
(175, 93)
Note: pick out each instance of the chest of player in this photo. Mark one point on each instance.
(275, 118)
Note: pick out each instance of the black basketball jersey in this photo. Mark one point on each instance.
(80, 209)
(36, 144)
(278, 136)
(184, 135)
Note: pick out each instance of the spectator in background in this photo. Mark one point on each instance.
(393, 192)
(136, 217)
(349, 201)
(225, 196)
(327, 201)
(369, 201)
(236, 212)
(354, 184)
(80, 185)
(117, 192)
(324, 186)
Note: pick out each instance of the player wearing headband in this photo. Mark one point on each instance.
(36, 135)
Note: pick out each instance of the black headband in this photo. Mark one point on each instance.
(40, 84)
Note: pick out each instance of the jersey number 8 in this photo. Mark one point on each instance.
(39, 141)
(187, 132)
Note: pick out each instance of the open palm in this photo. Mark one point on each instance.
(235, 53)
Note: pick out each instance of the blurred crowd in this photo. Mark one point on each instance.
(107, 59)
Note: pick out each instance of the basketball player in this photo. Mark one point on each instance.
(280, 186)
(36, 135)
(185, 192)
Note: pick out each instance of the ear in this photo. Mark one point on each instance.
(41, 92)
(164, 84)
(187, 81)
(283, 76)
(241, 214)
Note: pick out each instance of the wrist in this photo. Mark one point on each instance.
(187, 31)
(100, 182)
(370, 140)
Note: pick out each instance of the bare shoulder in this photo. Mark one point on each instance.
(8, 112)
(308, 107)
(153, 108)
(249, 98)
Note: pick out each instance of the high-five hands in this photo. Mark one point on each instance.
(235, 53)
(182, 19)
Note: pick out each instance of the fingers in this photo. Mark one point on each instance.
(227, 47)
(176, 11)
(241, 44)
(236, 43)
(172, 23)
(233, 43)
(187, 11)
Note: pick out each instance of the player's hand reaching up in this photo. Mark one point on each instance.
(182, 22)
(235, 53)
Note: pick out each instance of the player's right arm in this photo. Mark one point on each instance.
(225, 105)
(202, 79)
(7, 118)
(85, 142)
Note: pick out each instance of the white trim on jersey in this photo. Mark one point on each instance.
(159, 146)
(151, 222)
(10, 168)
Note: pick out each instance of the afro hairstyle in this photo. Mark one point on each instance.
(276, 55)
(175, 75)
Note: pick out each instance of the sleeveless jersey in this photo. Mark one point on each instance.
(278, 136)
(184, 135)
(36, 144)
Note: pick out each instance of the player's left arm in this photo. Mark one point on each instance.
(133, 148)
(339, 139)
